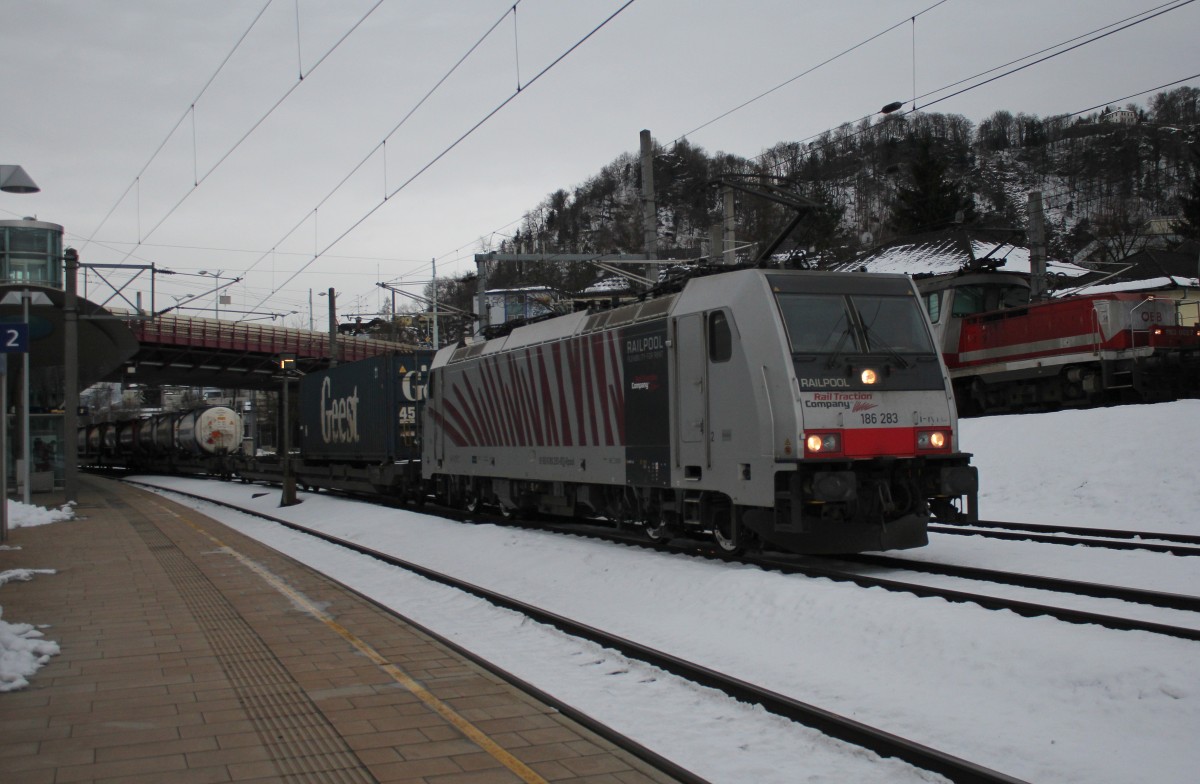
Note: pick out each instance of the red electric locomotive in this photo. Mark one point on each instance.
(1007, 353)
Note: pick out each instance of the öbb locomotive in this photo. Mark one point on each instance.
(1008, 353)
(810, 411)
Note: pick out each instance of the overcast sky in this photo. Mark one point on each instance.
(93, 88)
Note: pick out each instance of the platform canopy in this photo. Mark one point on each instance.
(105, 342)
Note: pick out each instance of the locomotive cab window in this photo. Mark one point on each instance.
(861, 323)
(720, 338)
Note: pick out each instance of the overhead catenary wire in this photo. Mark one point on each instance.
(383, 145)
(456, 142)
(808, 71)
(187, 112)
(1122, 27)
(1097, 35)
(200, 179)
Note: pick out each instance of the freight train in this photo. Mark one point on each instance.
(203, 439)
(1006, 353)
(802, 411)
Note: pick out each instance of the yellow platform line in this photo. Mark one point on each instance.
(476, 735)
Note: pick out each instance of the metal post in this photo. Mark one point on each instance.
(436, 342)
(3, 448)
(310, 313)
(25, 493)
(1037, 247)
(71, 386)
(649, 209)
(289, 482)
(333, 357)
(729, 253)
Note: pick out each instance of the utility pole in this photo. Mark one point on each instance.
(649, 208)
(71, 371)
(333, 357)
(436, 342)
(729, 253)
(1037, 247)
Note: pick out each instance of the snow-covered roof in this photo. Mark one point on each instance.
(948, 254)
(1148, 284)
(608, 285)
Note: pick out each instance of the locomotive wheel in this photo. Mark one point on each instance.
(657, 532)
(726, 532)
(473, 503)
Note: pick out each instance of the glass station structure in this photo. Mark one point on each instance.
(31, 252)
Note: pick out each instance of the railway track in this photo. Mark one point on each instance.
(841, 727)
(848, 569)
(1174, 544)
(860, 569)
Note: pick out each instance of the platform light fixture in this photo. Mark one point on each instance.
(13, 179)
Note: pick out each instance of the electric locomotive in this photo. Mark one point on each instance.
(797, 410)
(1008, 353)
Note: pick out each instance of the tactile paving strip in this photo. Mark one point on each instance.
(303, 744)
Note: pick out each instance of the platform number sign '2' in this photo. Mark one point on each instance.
(14, 338)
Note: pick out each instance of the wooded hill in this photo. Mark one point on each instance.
(1104, 175)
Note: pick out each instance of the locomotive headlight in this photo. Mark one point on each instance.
(823, 443)
(869, 376)
(932, 439)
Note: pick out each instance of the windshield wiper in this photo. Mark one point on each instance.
(874, 341)
(837, 350)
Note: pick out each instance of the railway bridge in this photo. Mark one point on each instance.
(194, 351)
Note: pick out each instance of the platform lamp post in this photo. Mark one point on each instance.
(217, 292)
(286, 363)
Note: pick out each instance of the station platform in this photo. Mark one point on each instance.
(190, 653)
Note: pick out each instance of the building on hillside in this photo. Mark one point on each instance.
(1120, 117)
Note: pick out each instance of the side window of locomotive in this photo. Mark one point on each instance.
(720, 338)
(816, 323)
(933, 305)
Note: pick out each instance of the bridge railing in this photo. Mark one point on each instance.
(173, 330)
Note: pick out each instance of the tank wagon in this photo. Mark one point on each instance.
(200, 439)
(1006, 353)
(809, 410)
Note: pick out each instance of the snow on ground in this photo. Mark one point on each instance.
(22, 649)
(1036, 698)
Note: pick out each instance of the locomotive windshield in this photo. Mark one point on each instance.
(861, 323)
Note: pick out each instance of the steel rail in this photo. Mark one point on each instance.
(1117, 540)
(1173, 601)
